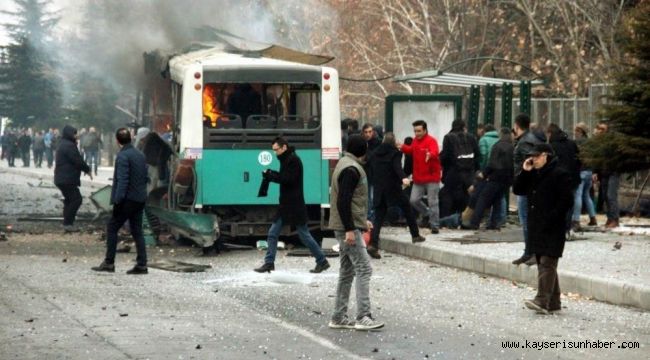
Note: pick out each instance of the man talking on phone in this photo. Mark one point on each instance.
(548, 189)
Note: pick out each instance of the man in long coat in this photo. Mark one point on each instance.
(548, 188)
(292, 210)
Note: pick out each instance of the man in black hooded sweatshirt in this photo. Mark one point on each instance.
(67, 171)
(387, 175)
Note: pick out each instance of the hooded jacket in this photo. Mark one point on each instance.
(69, 163)
(567, 153)
(549, 199)
(386, 172)
(485, 145)
(292, 210)
(424, 171)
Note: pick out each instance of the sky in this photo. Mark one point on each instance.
(65, 8)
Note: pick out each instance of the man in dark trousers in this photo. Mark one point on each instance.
(387, 175)
(498, 174)
(292, 210)
(547, 186)
(128, 196)
(349, 206)
(24, 145)
(460, 158)
(67, 171)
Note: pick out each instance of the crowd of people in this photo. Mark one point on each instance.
(466, 182)
(41, 146)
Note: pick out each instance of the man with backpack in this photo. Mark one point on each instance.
(460, 159)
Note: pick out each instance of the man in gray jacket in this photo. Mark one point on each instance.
(349, 208)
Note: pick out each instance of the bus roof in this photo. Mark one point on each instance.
(215, 58)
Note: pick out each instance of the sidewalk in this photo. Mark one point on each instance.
(591, 266)
(104, 174)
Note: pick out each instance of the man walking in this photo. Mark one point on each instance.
(68, 168)
(128, 197)
(387, 175)
(349, 206)
(426, 174)
(292, 210)
(609, 182)
(24, 145)
(550, 196)
(38, 149)
(91, 148)
(526, 140)
(460, 158)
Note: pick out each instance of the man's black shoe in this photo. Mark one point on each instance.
(522, 259)
(434, 230)
(417, 239)
(373, 252)
(267, 267)
(532, 261)
(104, 267)
(320, 267)
(138, 270)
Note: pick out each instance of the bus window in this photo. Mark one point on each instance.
(261, 106)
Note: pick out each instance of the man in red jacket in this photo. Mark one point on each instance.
(426, 173)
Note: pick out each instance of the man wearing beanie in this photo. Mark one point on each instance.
(547, 186)
(349, 207)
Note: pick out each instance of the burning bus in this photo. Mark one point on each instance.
(223, 104)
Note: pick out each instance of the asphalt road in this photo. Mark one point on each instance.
(52, 306)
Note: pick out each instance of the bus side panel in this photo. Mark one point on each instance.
(233, 177)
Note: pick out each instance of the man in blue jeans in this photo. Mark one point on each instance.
(526, 140)
(292, 210)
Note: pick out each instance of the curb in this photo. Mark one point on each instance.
(608, 290)
(94, 184)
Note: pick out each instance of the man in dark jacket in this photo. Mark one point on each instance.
(24, 145)
(11, 140)
(67, 170)
(526, 140)
(460, 158)
(385, 166)
(292, 210)
(547, 186)
(38, 148)
(567, 154)
(128, 197)
(498, 176)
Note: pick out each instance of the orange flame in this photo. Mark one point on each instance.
(210, 103)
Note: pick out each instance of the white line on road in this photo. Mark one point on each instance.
(313, 337)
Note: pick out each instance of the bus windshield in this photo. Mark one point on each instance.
(263, 106)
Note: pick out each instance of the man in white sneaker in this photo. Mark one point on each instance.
(349, 208)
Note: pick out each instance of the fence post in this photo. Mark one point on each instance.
(490, 96)
(474, 103)
(506, 105)
(525, 97)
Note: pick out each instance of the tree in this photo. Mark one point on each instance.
(30, 86)
(627, 147)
